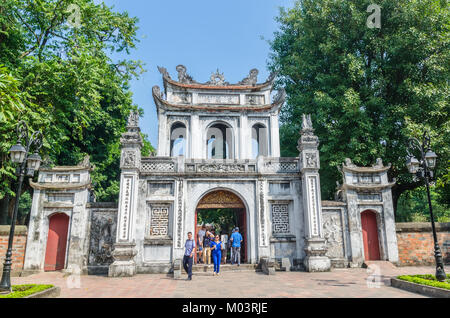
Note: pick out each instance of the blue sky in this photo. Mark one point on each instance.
(203, 35)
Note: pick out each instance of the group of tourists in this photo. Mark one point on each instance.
(211, 245)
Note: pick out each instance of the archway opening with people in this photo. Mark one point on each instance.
(219, 212)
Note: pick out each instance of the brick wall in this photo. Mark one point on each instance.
(18, 252)
(415, 243)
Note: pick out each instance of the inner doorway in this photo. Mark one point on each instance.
(55, 254)
(370, 235)
(223, 210)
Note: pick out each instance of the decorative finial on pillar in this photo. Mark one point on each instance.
(307, 139)
(132, 135)
(307, 124)
(133, 119)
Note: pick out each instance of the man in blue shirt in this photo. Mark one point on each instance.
(236, 240)
(189, 250)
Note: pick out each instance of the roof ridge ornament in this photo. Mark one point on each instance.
(251, 79)
(164, 72)
(280, 97)
(183, 77)
(217, 79)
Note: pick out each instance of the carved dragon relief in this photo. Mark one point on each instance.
(103, 228)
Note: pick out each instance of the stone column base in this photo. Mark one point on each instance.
(315, 260)
(123, 265)
(317, 264)
(122, 269)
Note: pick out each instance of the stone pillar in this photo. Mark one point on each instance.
(163, 138)
(196, 140)
(124, 248)
(274, 136)
(315, 247)
(245, 139)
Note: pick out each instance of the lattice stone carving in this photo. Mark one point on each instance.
(158, 167)
(159, 220)
(281, 166)
(280, 218)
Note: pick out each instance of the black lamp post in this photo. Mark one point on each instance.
(28, 164)
(423, 169)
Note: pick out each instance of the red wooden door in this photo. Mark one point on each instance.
(243, 231)
(55, 254)
(370, 235)
(196, 238)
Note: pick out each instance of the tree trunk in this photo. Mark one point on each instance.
(397, 191)
(4, 207)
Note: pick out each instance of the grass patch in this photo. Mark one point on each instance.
(427, 279)
(20, 291)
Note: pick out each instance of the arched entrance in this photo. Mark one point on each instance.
(225, 201)
(55, 254)
(370, 235)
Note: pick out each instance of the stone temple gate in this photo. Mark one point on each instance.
(218, 146)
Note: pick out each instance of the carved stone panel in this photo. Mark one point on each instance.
(252, 99)
(160, 188)
(262, 213)
(129, 159)
(102, 234)
(313, 205)
(180, 214)
(125, 208)
(220, 167)
(182, 98)
(333, 233)
(218, 99)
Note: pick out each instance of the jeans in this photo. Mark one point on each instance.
(207, 255)
(187, 264)
(216, 259)
(236, 255)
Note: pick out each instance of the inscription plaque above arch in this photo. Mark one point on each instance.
(221, 199)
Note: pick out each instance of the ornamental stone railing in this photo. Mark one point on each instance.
(280, 165)
(158, 164)
(226, 166)
(262, 165)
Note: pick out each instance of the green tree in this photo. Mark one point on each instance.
(368, 89)
(77, 95)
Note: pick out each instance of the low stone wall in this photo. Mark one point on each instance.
(19, 244)
(415, 243)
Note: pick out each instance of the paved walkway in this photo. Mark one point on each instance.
(248, 284)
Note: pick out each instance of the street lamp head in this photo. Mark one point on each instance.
(33, 163)
(430, 157)
(17, 153)
(413, 165)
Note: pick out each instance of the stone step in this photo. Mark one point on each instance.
(200, 268)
